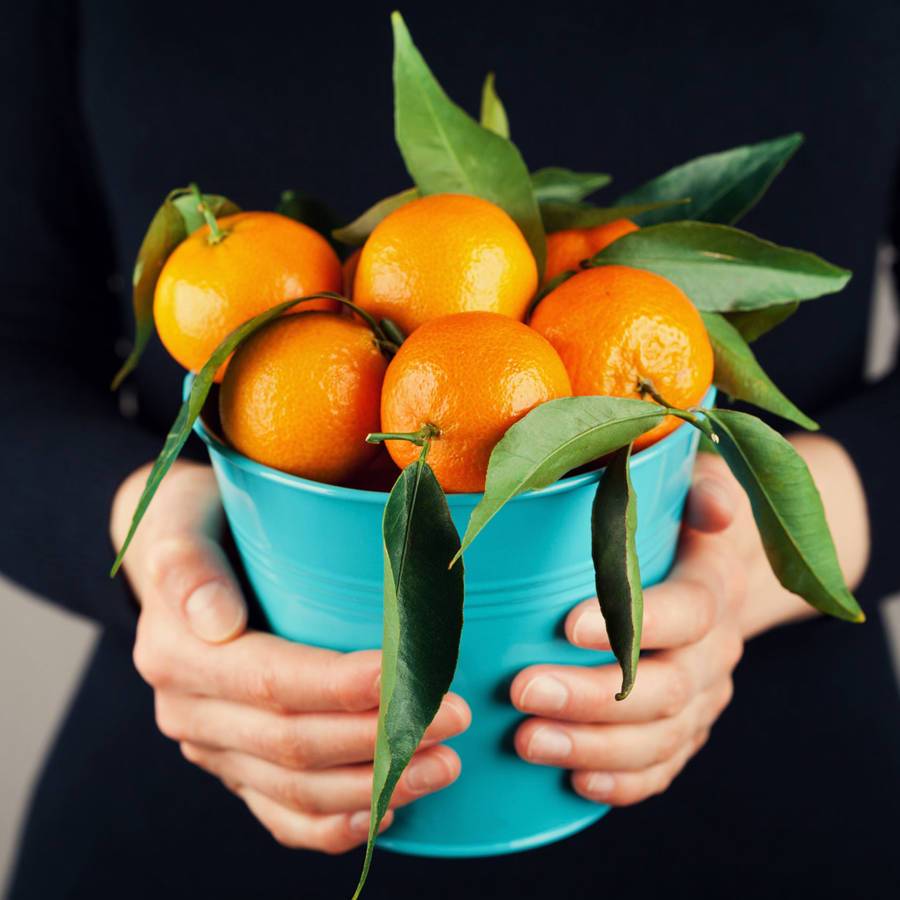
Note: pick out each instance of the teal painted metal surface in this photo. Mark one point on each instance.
(313, 554)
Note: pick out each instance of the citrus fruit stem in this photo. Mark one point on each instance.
(215, 233)
(420, 438)
(645, 386)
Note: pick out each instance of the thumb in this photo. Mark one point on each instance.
(176, 561)
(712, 502)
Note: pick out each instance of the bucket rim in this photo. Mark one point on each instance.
(259, 470)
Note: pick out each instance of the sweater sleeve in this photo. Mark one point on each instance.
(65, 446)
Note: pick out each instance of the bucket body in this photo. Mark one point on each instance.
(313, 555)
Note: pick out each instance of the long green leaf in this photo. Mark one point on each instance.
(171, 224)
(616, 571)
(722, 186)
(754, 323)
(493, 113)
(356, 233)
(445, 150)
(553, 439)
(788, 512)
(723, 269)
(555, 183)
(192, 407)
(423, 617)
(739, 374)
(559, 215)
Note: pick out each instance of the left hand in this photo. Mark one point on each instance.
(623, 752)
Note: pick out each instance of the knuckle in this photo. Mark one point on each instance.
(705, 602)
(734, 650)
(726, 692)
(261, 687)
(292, 792)
(676, 692)
(289, 746)
(148, 658)
(673, 737)
(170, 556)
(167, 721)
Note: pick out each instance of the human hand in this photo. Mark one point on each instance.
(287, 727)
(623, 752)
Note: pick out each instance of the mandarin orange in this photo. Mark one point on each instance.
(471, 375)
(442, 254)
(566, 249)
(302, 393)
(614, 326)
(205, 290)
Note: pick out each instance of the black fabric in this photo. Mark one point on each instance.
(108, 106)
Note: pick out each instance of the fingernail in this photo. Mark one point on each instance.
(426, 775)
(549, 745)
(359, 822)
(544, 694)
(590, 630)
(600, 784)
(214, 612)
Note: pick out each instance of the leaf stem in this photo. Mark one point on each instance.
(646, 386)
(215, 233)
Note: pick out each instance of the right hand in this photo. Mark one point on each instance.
(287, 727)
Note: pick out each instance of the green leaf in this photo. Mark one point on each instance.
(193, 219)
(739, 374)
(548, 288)
(493, 113)
(445, 150)
(192, 407)
(563, 184)
(722, 186)
(172, 223)
(307, 210)
(723, 269)
(559, 215)
(423, 617)
(616, 570)
(553, 439)
(788, 512)
(753, 323)
(356, 233)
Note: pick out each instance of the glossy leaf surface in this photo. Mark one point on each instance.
(754, 323)
(723, 269)
(722, 186)
(616, 571)
(558, 215)
(493, 113)
(359, 229)
(423, 617)
(553, 439)
(741, 377)
(555, 183)
(788, 511)
(445, 150)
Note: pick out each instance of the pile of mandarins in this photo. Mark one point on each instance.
(457, 277)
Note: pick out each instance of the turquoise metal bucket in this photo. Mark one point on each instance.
(313, 554)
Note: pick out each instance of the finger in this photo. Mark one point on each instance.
(305, 741)
(334, 790)
(175, 559)
(619, 747)
(713, 499)
(298, 830)
(678, 611)
(627, 788)
(257, 669)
